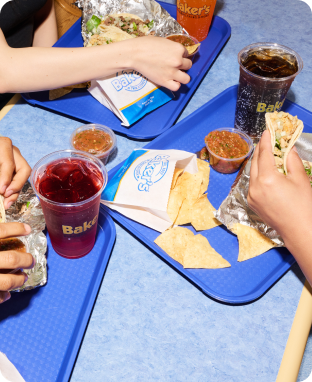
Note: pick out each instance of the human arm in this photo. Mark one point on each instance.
(45, 34)
(283, 202)
(39, 68)
(14, 171)
(10, 260)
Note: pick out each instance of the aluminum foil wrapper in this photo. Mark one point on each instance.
(27, 209)
(234, 209)
(164, 24)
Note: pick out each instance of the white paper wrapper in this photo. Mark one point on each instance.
(128, 94)
(234, 209)
(8, 372)
(140, 189)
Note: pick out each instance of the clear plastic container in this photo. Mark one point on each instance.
(190, 56)
(228, 165)
(102, 155)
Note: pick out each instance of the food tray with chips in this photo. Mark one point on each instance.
(41, 330)
(243, 281)
(81, 105)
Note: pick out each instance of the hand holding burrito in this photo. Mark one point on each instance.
(283, 202)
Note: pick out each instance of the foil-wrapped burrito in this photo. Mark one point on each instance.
(234, 209)
(27, 209)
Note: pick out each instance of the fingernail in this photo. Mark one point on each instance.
(2, 191)
(34, 263)
(8, 193)
(7, 297)
(295, 149)
(27, 229)
(26, 277)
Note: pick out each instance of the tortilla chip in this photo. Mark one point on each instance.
(251, 242)
(200, 254)
(174, 242)
(174, 204)
(176, 174)
(204, 170)
(192, 49)
(189, 185)
(185, 213)
(2, 210)
(202, 214)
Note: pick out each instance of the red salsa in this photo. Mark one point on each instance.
(226, 144)
(184, 40)
(92, 141)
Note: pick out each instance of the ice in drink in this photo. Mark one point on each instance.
(69, 185)
(267, 71)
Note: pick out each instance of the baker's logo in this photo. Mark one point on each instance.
(151, 171)
(264, 108)
(194, 12)
(132, 81)
(69, 230)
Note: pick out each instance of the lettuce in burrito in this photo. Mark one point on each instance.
(117, 27)
(285, 130)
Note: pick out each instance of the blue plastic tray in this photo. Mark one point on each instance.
(80, 104)
(41, 330)
(245, 281)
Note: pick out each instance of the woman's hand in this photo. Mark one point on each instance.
(283, 202)
(10, 260)
(14, 171)
(162, 61)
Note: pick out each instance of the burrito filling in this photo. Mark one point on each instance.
(131, 25)
(284, 126)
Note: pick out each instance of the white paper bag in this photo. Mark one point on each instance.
(140, 188)
(129, 95)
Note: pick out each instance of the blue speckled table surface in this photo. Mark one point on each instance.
(149, 323)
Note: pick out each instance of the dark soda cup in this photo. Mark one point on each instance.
(69, 185)
(267, 71)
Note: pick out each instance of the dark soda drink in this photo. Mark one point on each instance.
(267, 71)
(70, 189)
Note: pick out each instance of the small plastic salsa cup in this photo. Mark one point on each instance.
(191, 56)
(102, 155)
(229, 165)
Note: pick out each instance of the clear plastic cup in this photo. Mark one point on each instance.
(102, 155)
(228, 165)
(257, 94)
(71, 226)
(190, 56)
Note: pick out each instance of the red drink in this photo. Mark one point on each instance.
(70, 190)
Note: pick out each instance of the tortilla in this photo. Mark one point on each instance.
(174, 241)
(200, 254)
(285, 130)
(202, 215)
(192, 49)
(251, 242)
(2, 210)
(189, 250)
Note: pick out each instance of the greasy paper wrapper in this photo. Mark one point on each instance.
(36, 241)
(234, 209)
(164, 24)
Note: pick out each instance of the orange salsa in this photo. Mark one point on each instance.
(92, 141)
